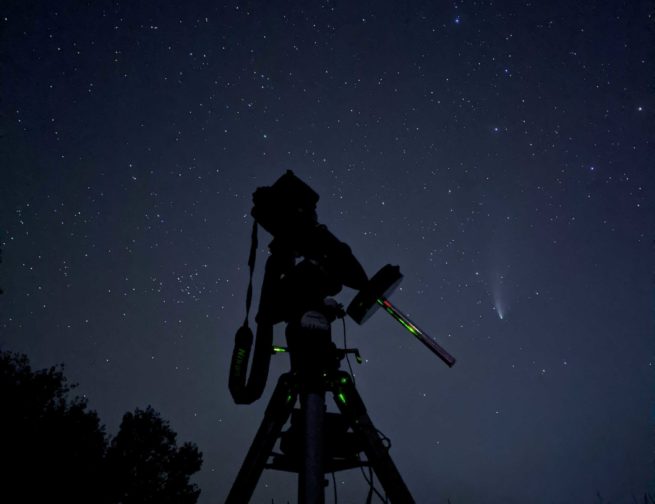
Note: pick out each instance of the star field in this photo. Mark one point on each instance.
(500, 153)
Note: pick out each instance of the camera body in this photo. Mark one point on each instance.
(317, 264)
(287, 209)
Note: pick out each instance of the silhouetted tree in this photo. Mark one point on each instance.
(53, 449)
(146, 465)
(49, 445)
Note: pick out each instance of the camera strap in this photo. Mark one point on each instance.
(247, 388)
(251, 266)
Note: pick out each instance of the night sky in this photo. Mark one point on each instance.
(500, 153)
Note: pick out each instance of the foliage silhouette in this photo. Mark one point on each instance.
(146, 465)
(56, 450)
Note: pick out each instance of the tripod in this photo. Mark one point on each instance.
(307, 263)
(317, 442)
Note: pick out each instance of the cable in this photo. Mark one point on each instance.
(371, 486)
(350, 368)
(369, 497)
(385, 440)
(387, 444)
(334, 485)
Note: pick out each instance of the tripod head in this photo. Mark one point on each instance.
(306, 265)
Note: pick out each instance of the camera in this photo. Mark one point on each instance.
(287, 209)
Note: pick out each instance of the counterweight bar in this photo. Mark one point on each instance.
(405, 321)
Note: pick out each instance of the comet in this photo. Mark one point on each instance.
(499, 303)
(499, 310)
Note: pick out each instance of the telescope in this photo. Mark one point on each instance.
(307, 265)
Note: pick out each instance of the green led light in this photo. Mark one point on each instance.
(279, 349)
(344, 380)
(410, 328)
(390, 310)
(289, 398)
(240, 360)
(342, 397)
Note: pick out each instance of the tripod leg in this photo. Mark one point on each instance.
(276, 414)
(352, 407)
